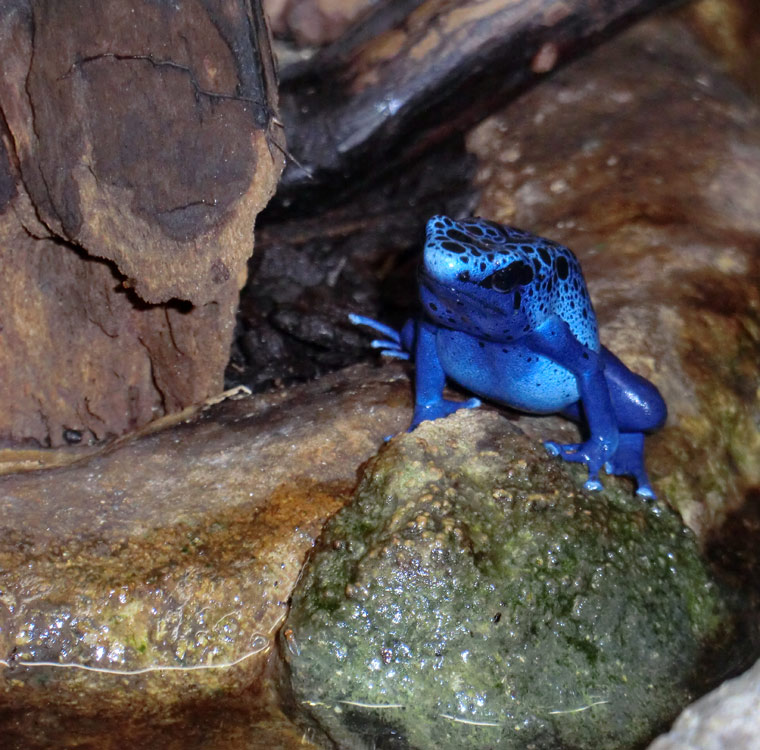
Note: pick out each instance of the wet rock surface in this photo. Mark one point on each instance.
(152, 577)
(732, 29)
(472, 596)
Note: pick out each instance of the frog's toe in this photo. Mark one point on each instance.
(384, 344)
(645, 491)
(558, 449)
(572, 452)
(592, 485)
(446, 407)
(381, 328)
(390, 349)
(552, 448)
(440, 409)
(629, 461)
(394, 354)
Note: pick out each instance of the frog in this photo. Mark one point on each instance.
(506, 315)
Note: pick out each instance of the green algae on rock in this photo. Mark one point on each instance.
(473, 596)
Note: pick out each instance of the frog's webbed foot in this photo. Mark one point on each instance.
(629, 461)
(391, 346)
(440, 408)
(594, 453)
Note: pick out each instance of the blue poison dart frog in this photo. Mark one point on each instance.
(507, 315)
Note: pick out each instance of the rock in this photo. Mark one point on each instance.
(726, 719)
(645, 160)
(135, 153)
(472, 596)
(731, 28)
(145, 584)
(314, 22)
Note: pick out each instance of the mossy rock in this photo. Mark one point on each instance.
(474, 596)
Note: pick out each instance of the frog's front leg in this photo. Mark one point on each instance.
(430, 379)
(395, 343)
(554, 339)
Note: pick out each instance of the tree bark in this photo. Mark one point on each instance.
(136, 148)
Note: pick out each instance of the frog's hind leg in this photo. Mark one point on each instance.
(629, 461)
(638, 407)
(637, 403)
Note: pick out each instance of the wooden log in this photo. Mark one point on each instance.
(366, 104)
(136, 148)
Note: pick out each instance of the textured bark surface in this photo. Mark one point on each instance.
(134, 156)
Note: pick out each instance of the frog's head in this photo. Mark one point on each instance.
(476, 277)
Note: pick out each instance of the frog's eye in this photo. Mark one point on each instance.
(508, 278)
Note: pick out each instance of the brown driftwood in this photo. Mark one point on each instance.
(370, 102)
(135, 153)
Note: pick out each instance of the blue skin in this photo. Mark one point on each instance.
(507, 315)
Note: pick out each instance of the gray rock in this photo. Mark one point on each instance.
(726, 719)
